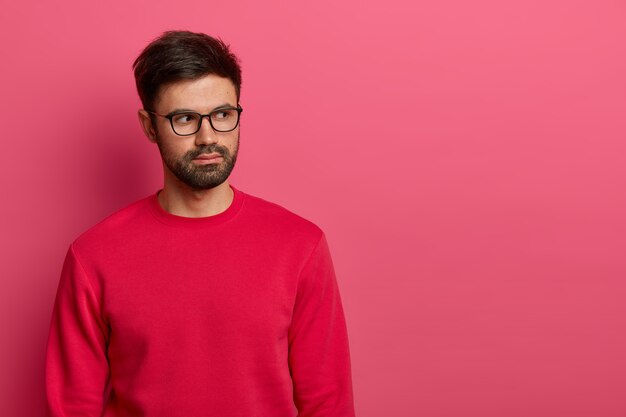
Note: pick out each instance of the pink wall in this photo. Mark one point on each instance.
(466, 159)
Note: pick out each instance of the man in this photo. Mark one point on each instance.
(200, 299)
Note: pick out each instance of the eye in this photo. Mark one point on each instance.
(222, 114)
(185, 118)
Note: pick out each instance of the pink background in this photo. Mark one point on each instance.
(467, 161)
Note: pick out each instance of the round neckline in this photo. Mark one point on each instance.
(166, 217)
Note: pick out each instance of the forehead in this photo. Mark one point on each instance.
(202, 94)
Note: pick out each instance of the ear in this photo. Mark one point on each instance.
(146, 124)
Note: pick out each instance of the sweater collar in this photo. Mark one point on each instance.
(174, 220)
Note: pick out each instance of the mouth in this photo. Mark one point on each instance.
(206, 159)
(208, 156)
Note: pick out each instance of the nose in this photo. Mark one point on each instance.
(206, 134)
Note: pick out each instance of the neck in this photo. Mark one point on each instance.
(180, 200)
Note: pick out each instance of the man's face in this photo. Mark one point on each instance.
(180, 153)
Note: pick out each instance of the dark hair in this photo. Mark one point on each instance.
(182, 55)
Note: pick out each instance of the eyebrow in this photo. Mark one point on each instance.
(182, 110)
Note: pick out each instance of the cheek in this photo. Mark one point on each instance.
(170, 150)
(231, 143)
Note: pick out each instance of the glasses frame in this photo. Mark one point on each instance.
(170, 116)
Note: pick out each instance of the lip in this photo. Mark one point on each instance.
(208, 157)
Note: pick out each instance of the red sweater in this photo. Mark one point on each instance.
(236, 314)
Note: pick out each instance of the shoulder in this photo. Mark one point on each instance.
(279, 218)
(117, 226)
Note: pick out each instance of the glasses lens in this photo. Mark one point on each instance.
(224, 120)
(185, 123)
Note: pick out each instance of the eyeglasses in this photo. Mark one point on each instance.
(188, 123)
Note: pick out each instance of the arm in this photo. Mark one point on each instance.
(319, 357)
(77, 369)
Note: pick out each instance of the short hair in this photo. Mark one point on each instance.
(182, 55)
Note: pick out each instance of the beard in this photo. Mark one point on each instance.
(197, 176)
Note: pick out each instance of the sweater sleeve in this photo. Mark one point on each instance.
(77, 371)
(319, 357)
